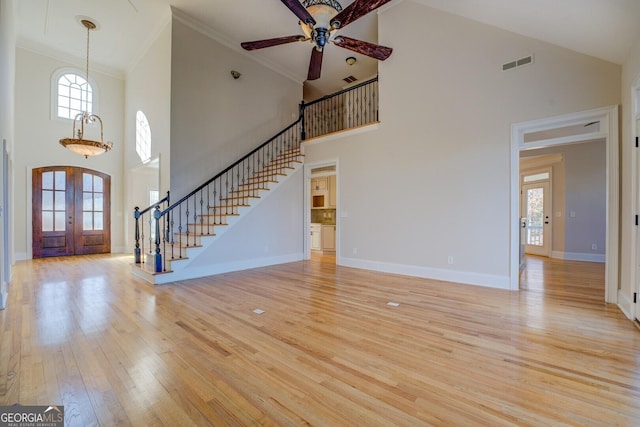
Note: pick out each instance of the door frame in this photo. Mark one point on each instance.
(609, 131)
(307, 205)
(29, 196)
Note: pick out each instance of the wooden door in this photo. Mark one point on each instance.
(71, 211)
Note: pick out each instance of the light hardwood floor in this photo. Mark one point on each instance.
(327, 351)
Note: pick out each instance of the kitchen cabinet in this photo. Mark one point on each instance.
(329, 238)
(316, 237)
(331, 183)
(319, 184)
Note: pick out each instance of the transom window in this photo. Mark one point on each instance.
(143, 137)
(74, 95)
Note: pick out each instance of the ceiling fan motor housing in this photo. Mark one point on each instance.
(322, 11)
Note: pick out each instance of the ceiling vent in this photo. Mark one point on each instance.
(350, 79)
(527, 60)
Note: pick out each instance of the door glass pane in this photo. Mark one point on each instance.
(537, 177)
(61, 221)
(47, 200)
(97, 184)
(97, 217)
(87, 182)
(61, 203)
(61, 177)
(535, 213)
(87, 201)
(47, 180)
(97, 202)
(47, 221)
(87, 220)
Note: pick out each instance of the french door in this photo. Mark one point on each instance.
(71, 211)
(536, 208)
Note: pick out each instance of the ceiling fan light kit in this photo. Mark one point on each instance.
(318, 19)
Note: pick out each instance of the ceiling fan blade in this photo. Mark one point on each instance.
(315, 65)
(299, 10)
(261, 44)
(370, 49)
(355, 10)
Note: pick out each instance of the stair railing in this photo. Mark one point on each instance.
(146, 216)
(346, 109)
(209, 205)
(175, 227)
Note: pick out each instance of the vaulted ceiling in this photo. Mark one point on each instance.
(602, 28)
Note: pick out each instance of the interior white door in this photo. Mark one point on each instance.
(536, 208)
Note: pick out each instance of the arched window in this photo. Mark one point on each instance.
(74, 95)
(143, 137)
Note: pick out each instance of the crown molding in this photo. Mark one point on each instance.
(70, 59)
(231, 44)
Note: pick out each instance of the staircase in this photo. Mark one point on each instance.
(171, 237)
(174, 241)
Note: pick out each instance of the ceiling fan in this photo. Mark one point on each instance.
(318, 18)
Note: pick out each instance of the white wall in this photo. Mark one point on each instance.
(7, 80)
(214, 118)
(629, 203)
(433, 181)
(37, 135)
(148, 89)
(270, 233)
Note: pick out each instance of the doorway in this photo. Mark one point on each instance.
(71, 211)
(321, 207)
(591, 125)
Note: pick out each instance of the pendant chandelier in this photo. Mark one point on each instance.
(77, 143)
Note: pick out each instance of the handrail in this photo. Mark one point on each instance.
(181, 224)
(340, 92)
(346, 109)
(230, 167)
(139, 231)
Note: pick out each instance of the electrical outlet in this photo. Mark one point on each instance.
(450, 260)
(594, 247)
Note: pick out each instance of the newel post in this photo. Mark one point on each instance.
(158, 258)
(136, 251)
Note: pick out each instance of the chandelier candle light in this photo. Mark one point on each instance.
(77, 143)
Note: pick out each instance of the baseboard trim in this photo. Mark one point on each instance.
(578, 256)
(467, 278)
(213, 269)
(625, 304)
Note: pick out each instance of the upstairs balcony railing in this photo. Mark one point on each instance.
(346, 109)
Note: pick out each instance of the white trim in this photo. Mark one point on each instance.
(211, 270)
(625, 304)
(342, 134)
(608, 117)
(635, 203)
(478, 279)
(578, 256)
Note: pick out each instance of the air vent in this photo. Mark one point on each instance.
(350, 79)
(517, 63)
